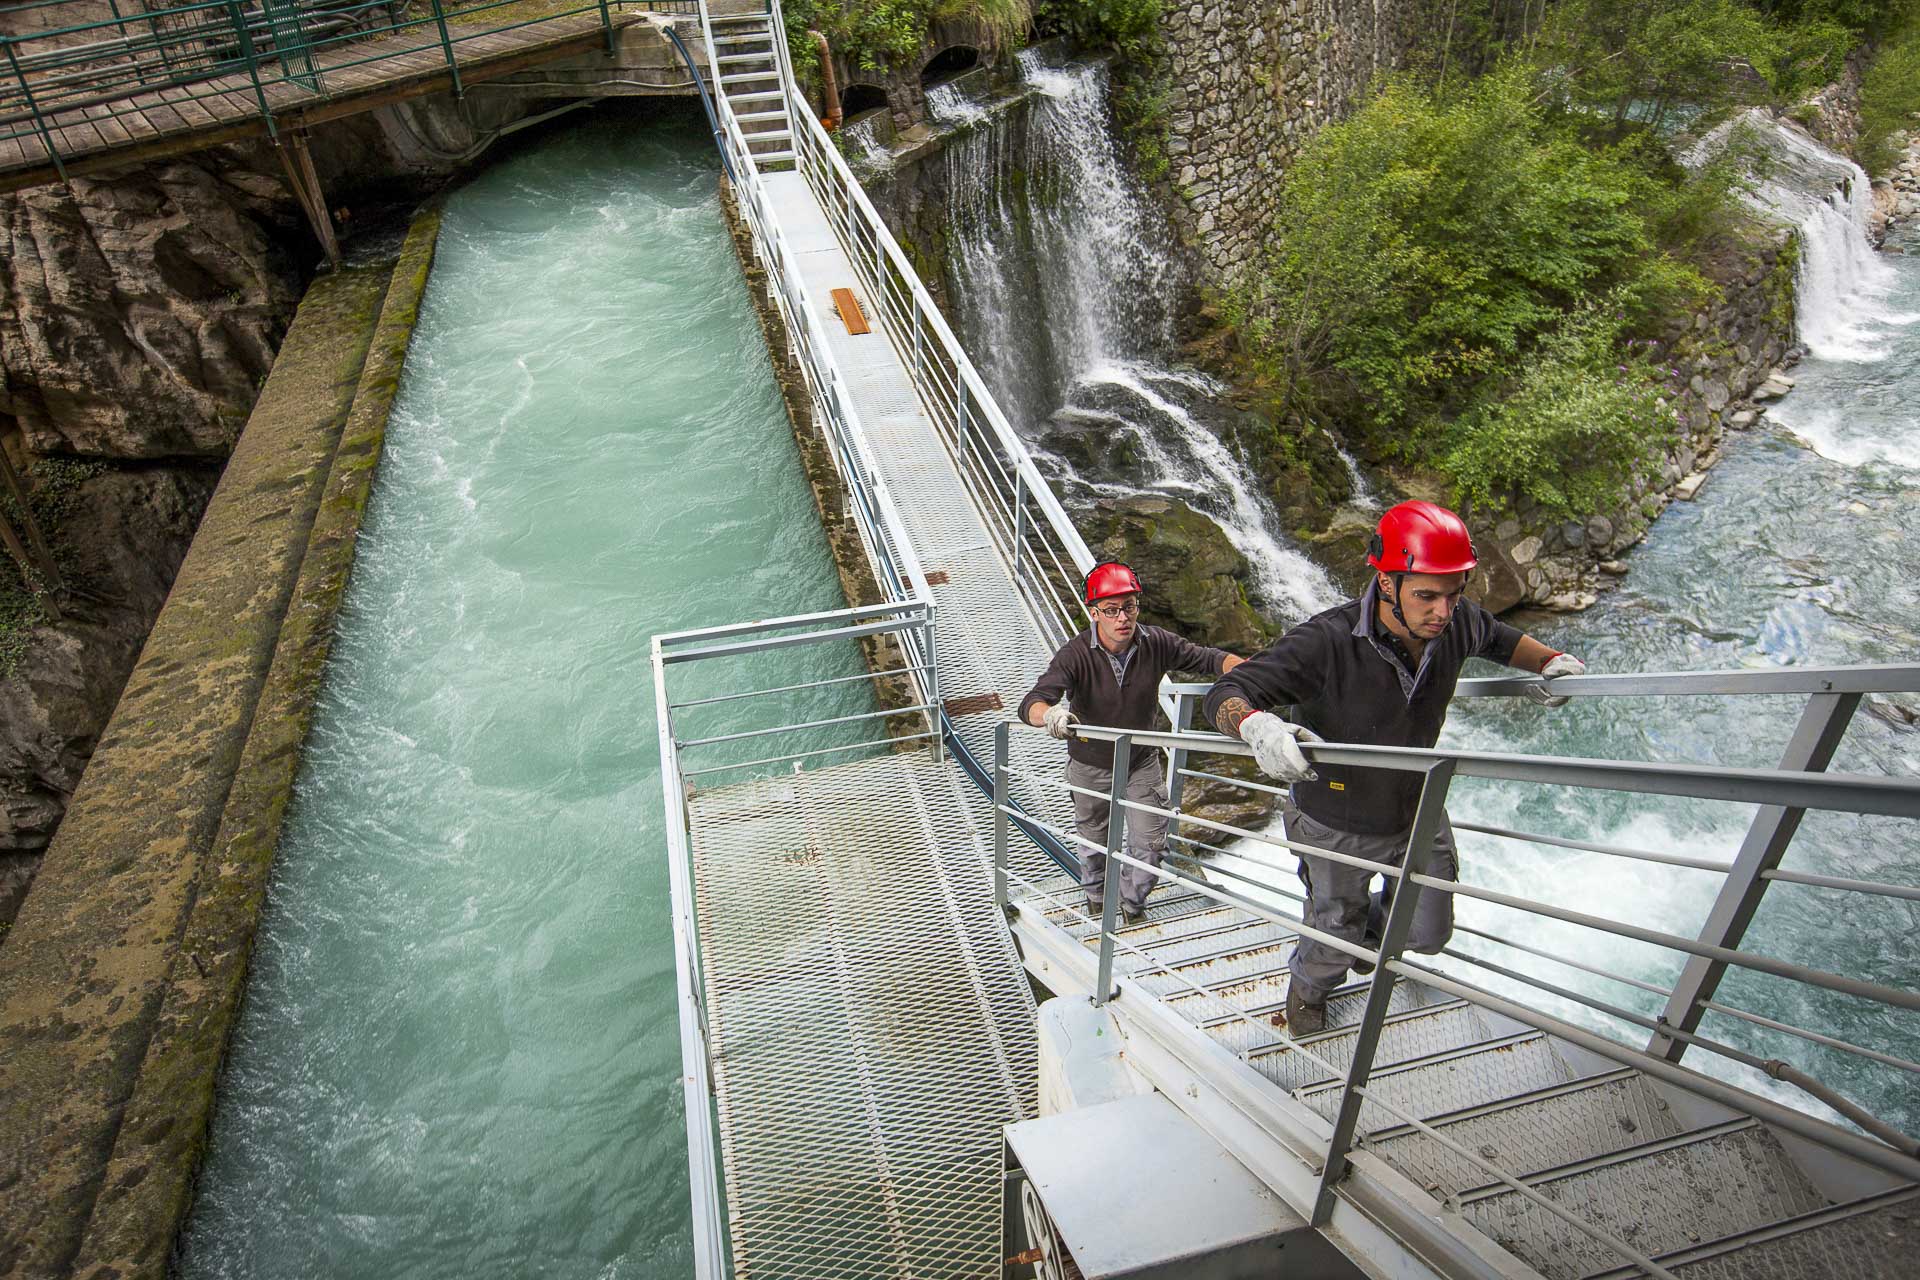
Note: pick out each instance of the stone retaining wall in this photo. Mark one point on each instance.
(122, 976)
(1246, 87)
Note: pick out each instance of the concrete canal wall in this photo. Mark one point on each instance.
(122, 976)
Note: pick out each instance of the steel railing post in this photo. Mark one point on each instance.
(446, 47)
(606, 24)
(39, 121)
(1822, 724)
(938, 714)
(1426, 825)
(245, 37)
(1110, 883)
(1183, 705)
(1002, 738)
(1019, 520)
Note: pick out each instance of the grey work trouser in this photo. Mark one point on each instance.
(1338, 901)
(1146, 832)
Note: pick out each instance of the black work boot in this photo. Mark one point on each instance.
(1304, 1017)
(1361, 968)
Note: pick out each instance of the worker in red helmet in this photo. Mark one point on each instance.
(1380, 671)
(1110, 674)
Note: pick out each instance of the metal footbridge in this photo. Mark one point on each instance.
(869, 878)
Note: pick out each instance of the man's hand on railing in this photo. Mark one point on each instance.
(1057, 721)
(1560, 664)
(1276, 747)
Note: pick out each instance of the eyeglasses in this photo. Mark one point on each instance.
(1115, 612)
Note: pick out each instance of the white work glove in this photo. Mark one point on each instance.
(1560, 664)
(1058, 718)
(1276, 747)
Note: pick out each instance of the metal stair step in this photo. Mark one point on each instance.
(745, 37)
(746, 76)
(765, 95)
(1179, 953)
(753, 116)
(771, 157)
(1657, 1197)
(1212, 972)
(1450, 1081)
(726, 59)
(769, 135)
(1344, 1007)
(1166, 928)
(1539, 1130)
(1876, 1238)
(1416, 1033)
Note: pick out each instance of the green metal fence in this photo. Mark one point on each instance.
(114, 74)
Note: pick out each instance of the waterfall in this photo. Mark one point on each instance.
(1065, 283)
(1843, 283)
(1856, 307)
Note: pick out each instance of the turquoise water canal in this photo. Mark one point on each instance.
(459, 1054)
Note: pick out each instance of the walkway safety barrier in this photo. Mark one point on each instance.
(67, 65)
(1256, 881)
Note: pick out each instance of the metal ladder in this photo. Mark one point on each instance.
(747, 58)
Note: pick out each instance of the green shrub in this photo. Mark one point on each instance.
(1569, 429)
(1127, 25)
(1889, 97)
(876, 33)
(1429, 249)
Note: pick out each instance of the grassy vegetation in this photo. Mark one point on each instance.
(877, 33)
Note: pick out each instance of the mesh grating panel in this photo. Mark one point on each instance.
(870, 1025)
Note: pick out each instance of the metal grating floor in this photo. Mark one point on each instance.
(870, 1024)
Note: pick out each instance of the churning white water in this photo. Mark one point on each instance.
(1066, 282)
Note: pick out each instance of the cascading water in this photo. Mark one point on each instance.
(1065, 283)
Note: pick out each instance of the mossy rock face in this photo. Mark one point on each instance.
(1194, 577)
(1299, 465)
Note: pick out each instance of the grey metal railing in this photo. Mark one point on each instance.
(1781, 795)
(752, 715)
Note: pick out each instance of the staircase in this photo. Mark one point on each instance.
(1700, 1189)
(744, 55)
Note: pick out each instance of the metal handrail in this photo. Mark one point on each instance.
(1894, 1152)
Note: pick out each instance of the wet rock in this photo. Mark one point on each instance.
(1689, 488)
(139, 313)
(1599, 531)
(1525, 551)
(1617, 568)
(125, 533)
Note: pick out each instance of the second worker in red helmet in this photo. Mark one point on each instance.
(1110, 673)
(1378, 671)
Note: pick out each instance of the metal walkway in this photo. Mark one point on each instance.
(855, 1025)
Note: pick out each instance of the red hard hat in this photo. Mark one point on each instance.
(1111, 579)
(1421, 537)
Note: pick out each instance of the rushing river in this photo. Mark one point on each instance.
(459, 1054)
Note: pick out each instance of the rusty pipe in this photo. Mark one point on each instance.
(833, 117)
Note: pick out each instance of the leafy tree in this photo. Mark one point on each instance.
(1889, 98)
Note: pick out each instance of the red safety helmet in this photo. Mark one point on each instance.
(1111, 579)
(1421, 537)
